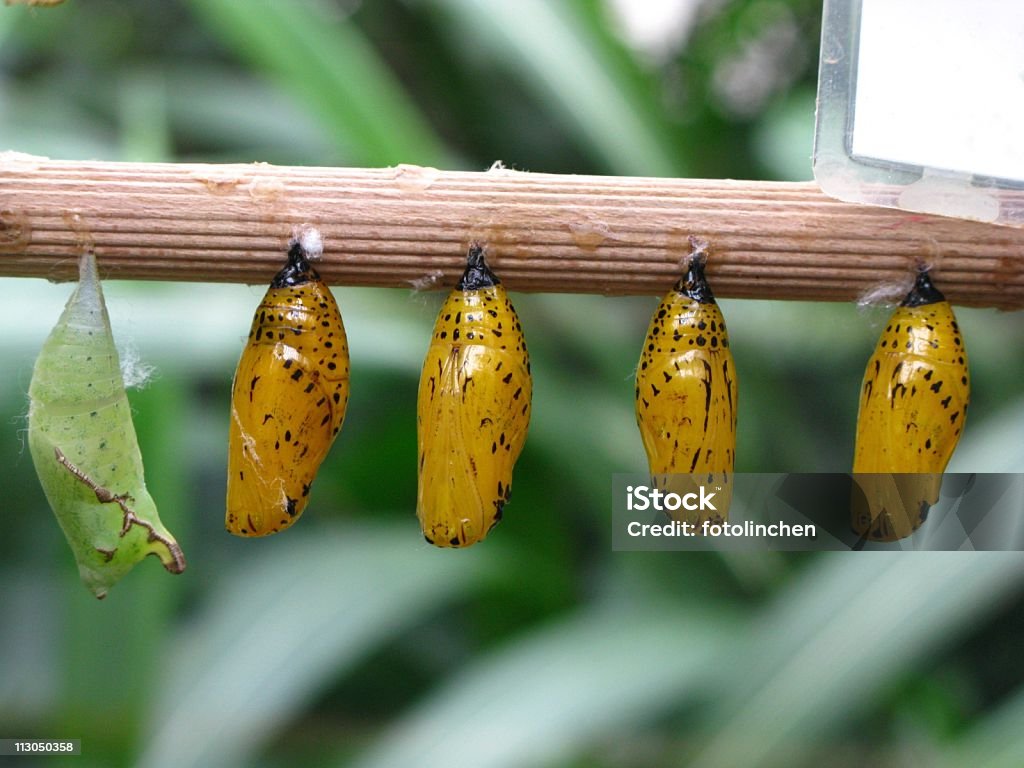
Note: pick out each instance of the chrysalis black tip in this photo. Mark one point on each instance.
(477, 275)
(923, 292)
(694, 284)
(298, 270)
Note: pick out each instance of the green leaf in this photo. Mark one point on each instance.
(323, 58)
(142, 108)
(545, 696)
(851, 626)
(550, 47)
(281, 626)
(995, 742)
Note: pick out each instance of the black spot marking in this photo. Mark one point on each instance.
(707, 393)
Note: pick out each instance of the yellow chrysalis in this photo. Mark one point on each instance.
(686, 394)
(473, 409)
(288, 399)
(913, 405)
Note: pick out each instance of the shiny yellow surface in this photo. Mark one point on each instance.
(912, 408)
(686, 398)
(288, 403)
(472, 416)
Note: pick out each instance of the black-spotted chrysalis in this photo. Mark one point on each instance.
(473, 410)
(913, 404)
(686, 393)
(289, 396)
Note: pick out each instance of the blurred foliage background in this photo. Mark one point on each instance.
(348, 641)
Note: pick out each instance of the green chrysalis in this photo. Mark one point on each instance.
(84, 447)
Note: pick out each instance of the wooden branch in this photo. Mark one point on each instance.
(409, 226)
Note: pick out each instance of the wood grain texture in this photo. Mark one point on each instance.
(409, 226)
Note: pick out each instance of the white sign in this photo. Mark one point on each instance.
(921, 106)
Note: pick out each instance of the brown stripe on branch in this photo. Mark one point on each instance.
(396, 226)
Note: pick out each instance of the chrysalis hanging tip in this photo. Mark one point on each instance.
(698, 251)
(694, 283)
(477, 275)
(306, 244)
(916, 290)
(309, 240)
(923, 292)
(475, 254)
